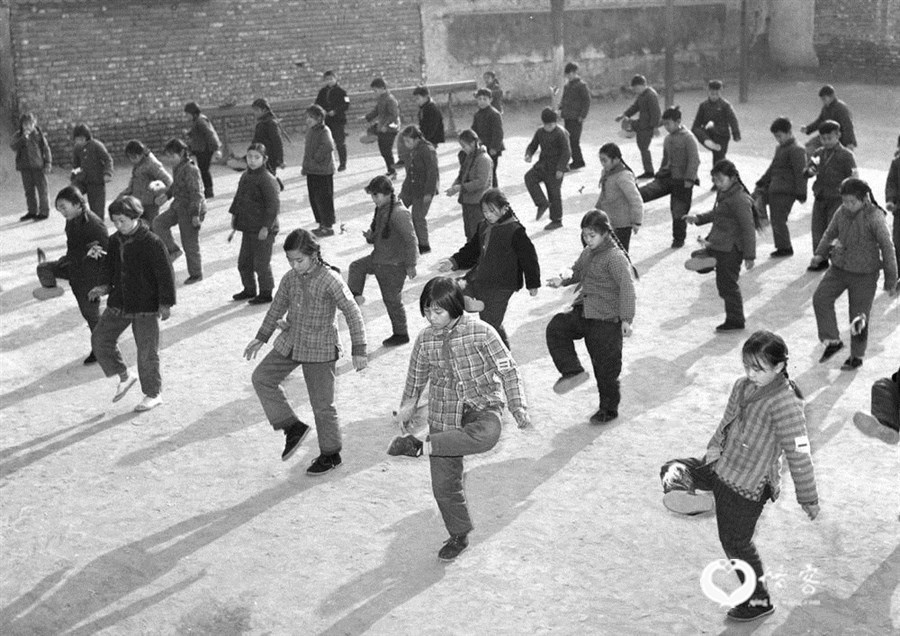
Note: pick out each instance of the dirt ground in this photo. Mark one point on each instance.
(184, 520)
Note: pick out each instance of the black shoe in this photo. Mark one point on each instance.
(323, 231)
(730, 326)
(244, 295)
(677, 243)
(781, 253)
(851, 363)
(324, 464)
(553, 225)
(751, 610)
(645, 175)
(424, 249)
(260, 299)
(830, 350)
(293, 436)
(193, 280)
(28, 217)
(818, 268)
(603, 415)
(406, 445)
(453, 547)
(41, 218)
(576, 166)
(342, 167)
(396, 340)
(208, 195)
(541, 209)
(91, 359)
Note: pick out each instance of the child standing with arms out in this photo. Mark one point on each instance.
(318, 167)
(188, 209)
(859, 244)
(601, 314)
(731, 240)
(464, 363)
(145, 169)
(646, 106)
(386, 117)
(488, 125)
(254, 213)
(138, 277)
(678, 174)
(499, 257)
(33, 162)
(84, 230)
(92, 168)
(783, 183)
(334, 101)
(716, 123)
(892, 197)
(742, 466)
(310, 294)
(393, 256)
(421, 183)
(268, 133)
(473, 181)
(619, 194)
(550, 168)
(204, 144)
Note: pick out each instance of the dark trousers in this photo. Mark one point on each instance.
(96, 196)
(479, 434)
(386, 148)
(49, 271)
(190, 238)
(145, 328)
(897, 233)
(494, 159)
(779, 208)
(728, 269)
(679, 203)
(603, 340)
(472, 216)
(255, 262)
(547, 174)
(391, 279)
(643, 139)
(204, 159)
(823, 209)
(886, 402)
(321, 197)
(495, 302)
(860, 290)
(624, 236)
(574, 126)
(340, 136)
(419, 209)
(35, 183)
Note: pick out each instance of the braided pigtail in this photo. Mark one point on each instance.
(615, 238)
(386, 230)
(321, 261)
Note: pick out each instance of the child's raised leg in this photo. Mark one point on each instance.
(562, 332)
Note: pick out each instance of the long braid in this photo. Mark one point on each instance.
(386, 230)
(321, 261)
(627, 167)
(792, 384)
(618, 243)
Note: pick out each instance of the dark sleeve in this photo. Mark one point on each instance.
(106, 160)
(585, 105)
(270, 193)
(697, 126)
(813, 126)
(342, 103)
(528, 259)
(320, 99)
(891, 186)
(45, 151)
(631, 110)
(798, 166)
(733, 122)
(100, 234)
(107, 264)
(467, 256)
(533, 146)
(431, 172)
(653, 101)
(165, 277)
(848, 135)
(764, 181)
(565, 150)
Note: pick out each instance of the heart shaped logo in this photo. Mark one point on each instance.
(724, 597)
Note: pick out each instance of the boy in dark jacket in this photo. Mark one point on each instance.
(318, 168)
(431, 121)
(892, 197)
(783, 183)
(647, 106)
(204, 144)
(33, 162)
(334, 101)
(488, 125)
(138, 277)
(550, 168)
(833, 109)
(92, 168)
(715, 123)
(386, 118)
(268, 133)
(421, 183)
(573, 108)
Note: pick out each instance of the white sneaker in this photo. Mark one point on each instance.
(124, 386)
(148, 403)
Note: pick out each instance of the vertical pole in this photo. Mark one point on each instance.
(670, 53)
(743, 79)
(557, 15)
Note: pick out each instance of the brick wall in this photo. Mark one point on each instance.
(860, 36)
(126, 67)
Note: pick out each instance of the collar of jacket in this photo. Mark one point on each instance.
(733, 189)
(760, 393)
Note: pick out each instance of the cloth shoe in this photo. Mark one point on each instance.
(407, 446)
(261, 299)
(685, 502)
(645, 175)
(553, 225)
(677, 243)
(781, 253)
(396, 340)
(730, 326)
(190, 280)
(541, 209)
(871, 426)
(41, 217)
(46, 293)
(818, 268)
(123, 387)
(324, 464)
(851, 363)
(244, 294)
(831, 349)
(27, 217)
(750, 610)
(603, 416)
(453, 547)
(569, 381)
(323, 231)
(91, 359)
(148, 403)
(293, 436)
(700, 262)
(424, 248)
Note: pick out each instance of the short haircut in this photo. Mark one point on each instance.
(443, 292)
(714, 85)
(638, 80)
(73, 194)
(328, 74)
(469, 136)
(548, 115)
(257, 147)
(126, 206)
(829, 126)
(412, 132)
(192, 108)
(81, 130)
(261, 103)
(490, 74)
(781, 125)
(378, 83)
(672, 113)
(380, 185)
(571, 67)
(27, 117)
(316, 111)
(175, 146)
(135, 148)
(827, 90)
(422, 91)
(483, 92)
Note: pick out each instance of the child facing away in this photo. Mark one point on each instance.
(310, 295)
(892, 197)
(393, 257)
(254, 213)
(883, 421)
(602, 315)
(421, 182)
(783, 183)
(188, 209)
(465, 364)
(147, 174)
(318, 168)
(203, 142)
(677, 175)
(137, 275)
(33, 162)
(619, 194)
(742, 465)
(731, 239)
(473, 180)
(92, 167)
(487, 123)
(499, 257)
(858, 243)
(550, 168)
(80, 265)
